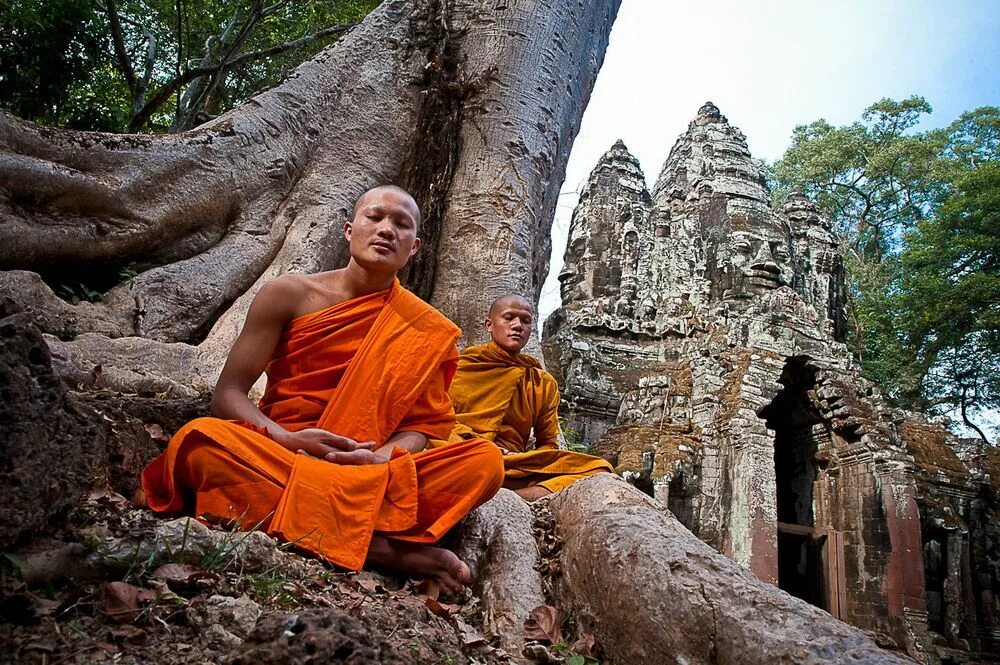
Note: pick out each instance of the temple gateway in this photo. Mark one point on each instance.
(699, 348)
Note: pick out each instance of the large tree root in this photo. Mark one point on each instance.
(498, 545)
(653, 593)
(164, 240)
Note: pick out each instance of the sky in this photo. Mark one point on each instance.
(770, 65)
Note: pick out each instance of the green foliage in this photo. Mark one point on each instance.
(913, 211)
(872, 177)
(127, 274)
(948, 303)
(12, 565)
(577, 659)
(271, 585)
(49, 47)
(78, 292)
(154, 65)
(574, 438)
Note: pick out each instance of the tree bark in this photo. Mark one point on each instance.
(498, 544)
(207, 216)
(516, 139)
(653, 593)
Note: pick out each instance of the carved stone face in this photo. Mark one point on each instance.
(758, 262)
(746, 254)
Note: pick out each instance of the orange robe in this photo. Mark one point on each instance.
(365, 368)
(503, 398)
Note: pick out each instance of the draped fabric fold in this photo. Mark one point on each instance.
(505, 398)
(486, 381)
(364, 368)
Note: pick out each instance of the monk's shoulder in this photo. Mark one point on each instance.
(289, 296)
(424, 315)
(474, 353)
(279, 298)
(287, 285)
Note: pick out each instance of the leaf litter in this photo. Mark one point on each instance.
(142, 611)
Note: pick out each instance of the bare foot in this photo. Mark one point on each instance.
(532, 493)
(436, 563)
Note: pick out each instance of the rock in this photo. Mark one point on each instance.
(55, 446)
(189, 541)
(140, 428)
(235, 616)
(217, 638)
(49, 447)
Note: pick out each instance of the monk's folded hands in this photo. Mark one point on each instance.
(356, 457)
(319, 442)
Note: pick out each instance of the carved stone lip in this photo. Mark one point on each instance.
(768, 276)
(765, 271)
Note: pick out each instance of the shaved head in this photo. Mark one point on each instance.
(395, 189)
(510, 321)
(506, 300)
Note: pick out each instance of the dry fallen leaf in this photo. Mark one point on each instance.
(45, 607)
(544, 624)
(175, 572)
(128, 633)
(156, 432)
(586, 646)
(470, 636)
(44, 645)
(123, 602)
(109, 495)
(429, 588)
(439, 608)
(186, 576)
(371, 586)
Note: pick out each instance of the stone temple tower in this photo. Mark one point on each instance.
(700, 349)
(615, 202)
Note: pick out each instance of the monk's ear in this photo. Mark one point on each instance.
(416, 246)
(348, 229)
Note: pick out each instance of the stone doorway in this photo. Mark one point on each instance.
(810, 555)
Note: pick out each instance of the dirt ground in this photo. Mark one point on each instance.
(158, 609)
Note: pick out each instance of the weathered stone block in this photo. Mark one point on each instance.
(49, 447)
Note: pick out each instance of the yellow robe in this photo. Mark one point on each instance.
(503, 397)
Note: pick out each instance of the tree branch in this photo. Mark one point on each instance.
(287, 46)
(178, 6)
(218, 72)
(172, 86)
(118, 42)
(969, 423)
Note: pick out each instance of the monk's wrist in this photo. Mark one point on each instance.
(279, 434)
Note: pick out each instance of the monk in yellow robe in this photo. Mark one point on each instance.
(332, 459)
(504, 395)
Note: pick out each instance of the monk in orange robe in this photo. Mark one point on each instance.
(333, 459)
(504, 395)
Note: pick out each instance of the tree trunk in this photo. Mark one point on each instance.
(473, 106)
(516, 136)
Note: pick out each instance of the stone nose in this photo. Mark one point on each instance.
(764, 259)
